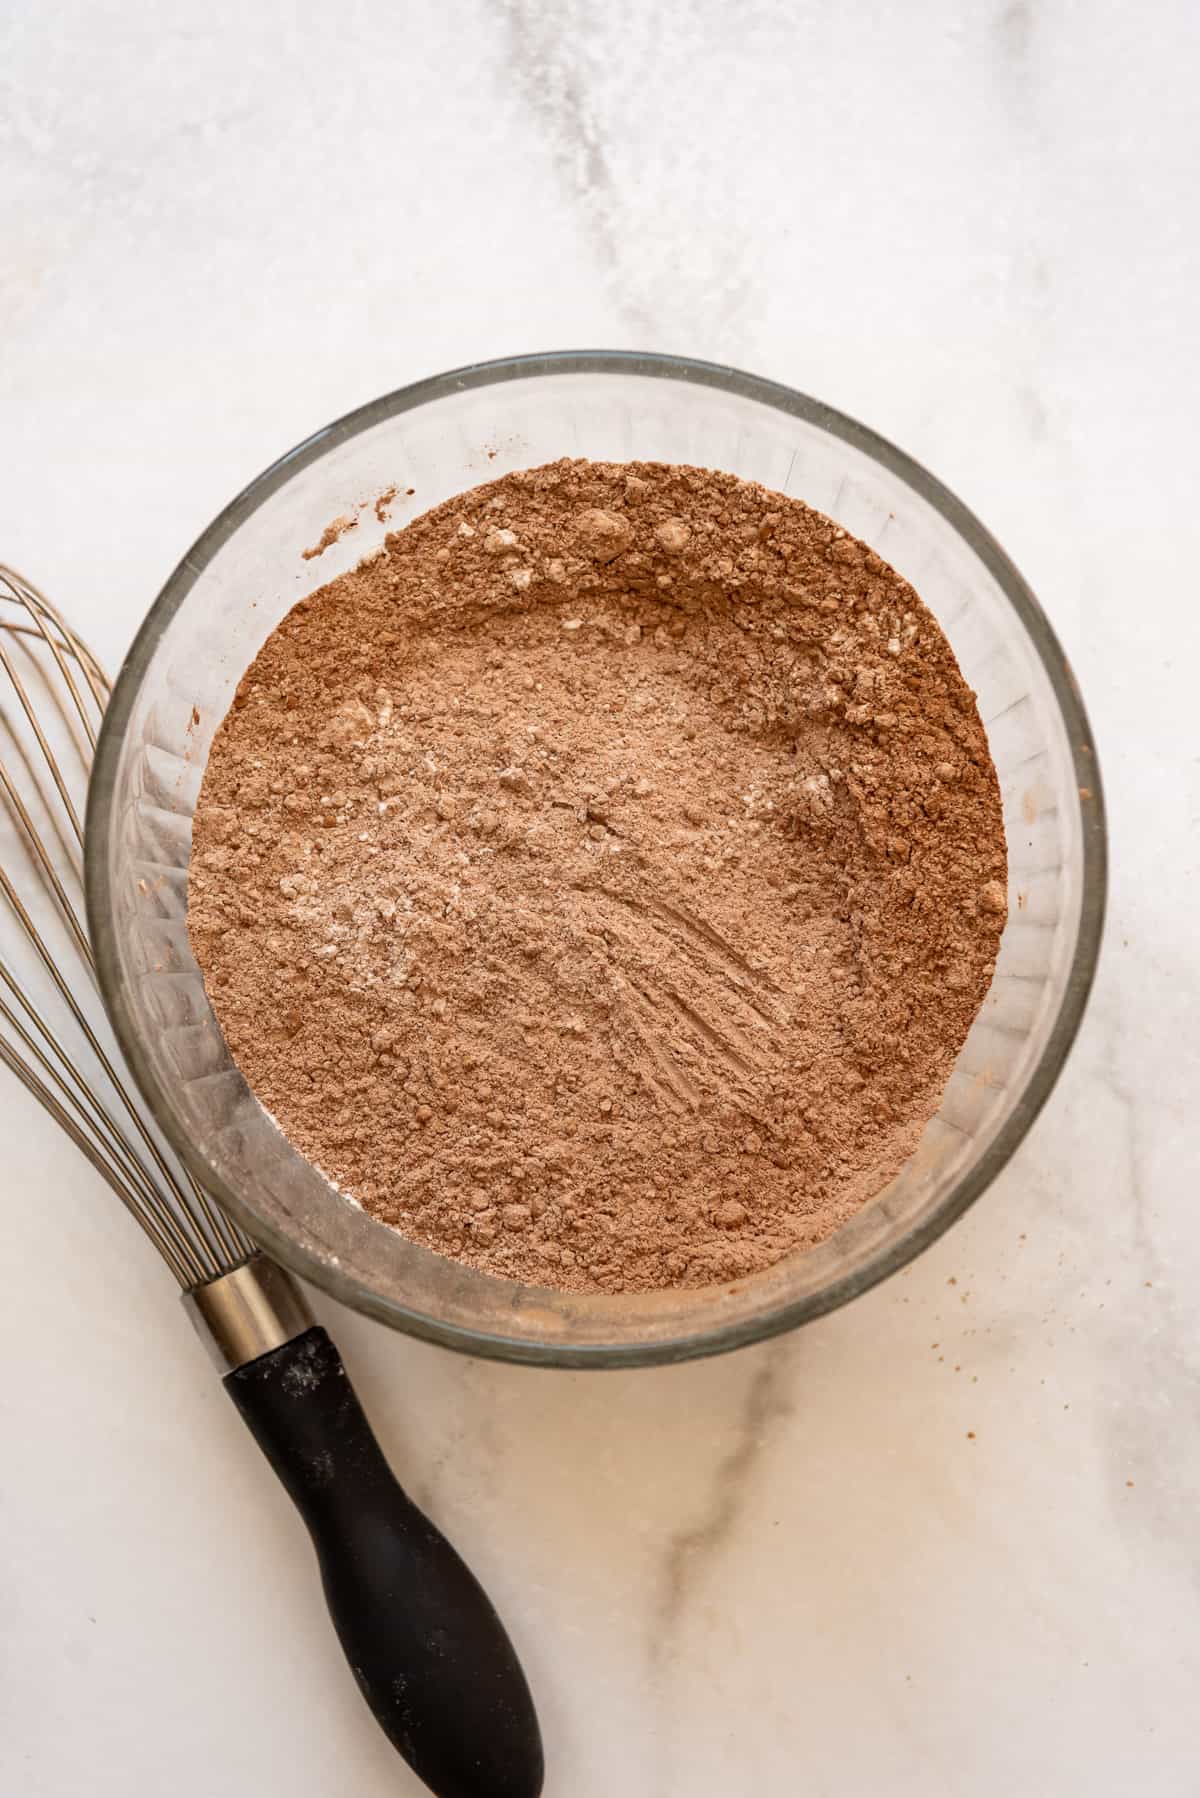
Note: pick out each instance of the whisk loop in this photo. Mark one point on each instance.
(53, 692)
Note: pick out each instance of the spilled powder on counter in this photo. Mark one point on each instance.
(599, 881)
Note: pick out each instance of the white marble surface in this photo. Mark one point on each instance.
(795, 1570)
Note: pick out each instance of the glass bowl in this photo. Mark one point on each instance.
(434, 440)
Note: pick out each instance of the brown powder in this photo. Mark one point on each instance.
(599, 881)
(330, 535)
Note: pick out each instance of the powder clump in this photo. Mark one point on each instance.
(599, 883)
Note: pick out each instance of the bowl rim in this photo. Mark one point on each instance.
(1093, 837)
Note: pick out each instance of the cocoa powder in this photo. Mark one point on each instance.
(598, 882)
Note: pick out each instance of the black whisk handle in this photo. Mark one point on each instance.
(429, 1653)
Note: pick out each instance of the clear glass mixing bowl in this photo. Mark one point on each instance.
(436, 439)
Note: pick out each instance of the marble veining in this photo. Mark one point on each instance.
(691, 1552)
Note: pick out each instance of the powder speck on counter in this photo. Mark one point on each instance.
(599, 883)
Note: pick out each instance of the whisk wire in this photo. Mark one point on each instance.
(27, 1023)
(180, 1193)
(50, 625)
(190, 1231)
(231, 1242)
(6, 662)
(49, 874)
(86, 1146)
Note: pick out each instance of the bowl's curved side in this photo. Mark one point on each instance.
(503, 1338)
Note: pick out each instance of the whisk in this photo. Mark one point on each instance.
(427, 1649)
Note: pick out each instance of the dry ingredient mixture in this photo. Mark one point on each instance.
(598, 882)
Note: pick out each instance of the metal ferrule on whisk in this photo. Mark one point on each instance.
(247, 1312)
